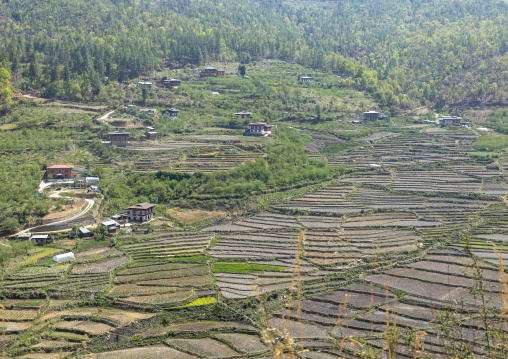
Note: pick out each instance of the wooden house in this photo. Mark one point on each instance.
(119, 138)
(63, 172)
(243, 114)
(142, 212)
(450, 121)
(152, 135)
(258, 129)
(212, 71)
(172, 113)
(370, 115)
(171, 84)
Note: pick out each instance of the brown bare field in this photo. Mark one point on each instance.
(190, 216)
(66, 210)
(150, 352)
(121, 316)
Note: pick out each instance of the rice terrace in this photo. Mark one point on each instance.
(253, 179)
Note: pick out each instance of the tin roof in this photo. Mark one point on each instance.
(60, 166)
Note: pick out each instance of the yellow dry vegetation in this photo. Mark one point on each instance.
(66, 210)
(190, 216)
(120, 316)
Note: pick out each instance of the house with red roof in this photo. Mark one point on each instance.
(61, 172)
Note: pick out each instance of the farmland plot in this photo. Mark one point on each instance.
(435, 181)
(263, 221)
(348, 246)
(244, 343)
(261, 245)
(183, 244)
(34, 277)
(206, 347)
(148, 352)
(388, 219)
(327, 200)
(443, 277)
(160, 284)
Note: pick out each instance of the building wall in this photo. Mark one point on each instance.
(66, 172)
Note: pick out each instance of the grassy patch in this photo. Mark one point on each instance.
(45, 253)
(491, 142)
(483, 154)
(199, 302)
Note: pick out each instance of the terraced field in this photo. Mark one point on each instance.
(327, 200)
(168, 245)
(263, 221)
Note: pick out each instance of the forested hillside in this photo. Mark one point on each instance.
(405, 53)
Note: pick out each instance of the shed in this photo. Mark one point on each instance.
(25, 235)
(85, 232)
(42, 239)
(111, 225)
(92, 179)
(63, 257)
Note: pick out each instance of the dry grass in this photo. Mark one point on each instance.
(190, 216)
(66, 210)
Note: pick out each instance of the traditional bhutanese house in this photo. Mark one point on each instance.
(142, 212)
(370, 115)
(172, 113)
(306, 79)
(111, 225)
(221, 72)
(171, 84)
(242, 115)
(149, 128)
(142, 138)
(259, 129)
(144, 84)
(85, 232)
(119, 138)
(61, 172)
(210, 71)
(148, 111)
(42, 239)
(450, 121)
(152, 135)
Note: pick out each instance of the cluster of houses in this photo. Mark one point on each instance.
(139, 213)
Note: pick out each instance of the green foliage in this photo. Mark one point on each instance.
(498, 120)
(405, 43)
(284, 165)
(491, 142)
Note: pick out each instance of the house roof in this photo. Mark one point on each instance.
(172, 109)
(372, 112)
(40, 236)
(110, 223)
(152, 133)
(210, 68)
(60, 166)
(84, 230)
(306, 77)
(257, 123)
(118, 133)
(170, 80)
(243, 113)
(144, 205)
